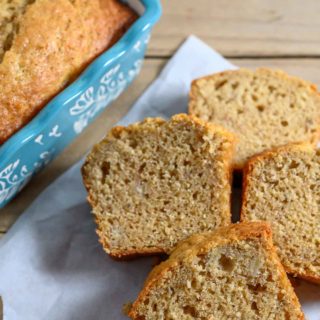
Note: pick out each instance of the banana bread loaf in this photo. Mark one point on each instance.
(156, 182)
(263, 108)
(44, 45)
(232, 273)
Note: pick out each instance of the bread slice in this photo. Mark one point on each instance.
(282, 186)
(233, 273)
(156, 182)
(264, 108)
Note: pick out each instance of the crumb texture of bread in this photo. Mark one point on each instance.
(282, 187)
(44, 45)
(264, 108)
(233, 273)
(156, 182)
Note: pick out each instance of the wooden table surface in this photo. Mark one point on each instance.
(275, 33)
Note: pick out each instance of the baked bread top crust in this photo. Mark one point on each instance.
(44, 45)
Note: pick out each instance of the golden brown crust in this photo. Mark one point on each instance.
(247, 171)
(306, 277)
(194, 92)
(116, 133)
(205, 126)
(56, 40)
(201, 244)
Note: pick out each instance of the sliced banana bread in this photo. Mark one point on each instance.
(264, 108)
(154, 183)
(233, 273)
(283, 187)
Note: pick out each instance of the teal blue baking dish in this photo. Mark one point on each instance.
(72, 110)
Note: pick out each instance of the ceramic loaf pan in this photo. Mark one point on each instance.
(71, 111)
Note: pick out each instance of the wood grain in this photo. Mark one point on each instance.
(305, 68)
(241, 27)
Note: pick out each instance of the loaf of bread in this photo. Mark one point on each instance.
(45, 44)
(233, 273)
(156, 182)
(264, 108)
(282, 187)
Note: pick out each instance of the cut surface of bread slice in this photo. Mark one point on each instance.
(232, 273)
(264, 108)
(156, 182)
(282, 186)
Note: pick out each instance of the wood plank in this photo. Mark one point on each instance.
(241, 28)
(306, 68)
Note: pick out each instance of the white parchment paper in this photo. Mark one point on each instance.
(51, 264)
